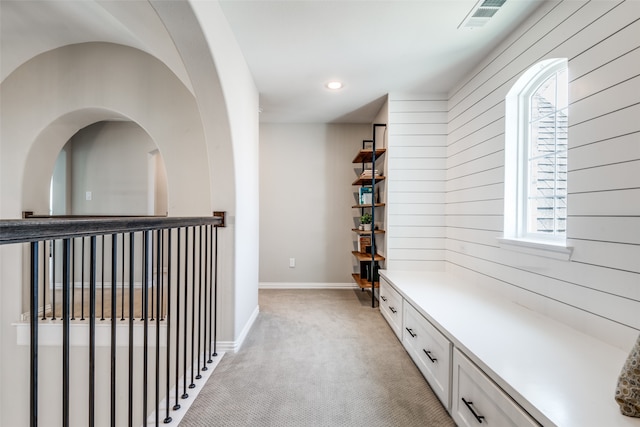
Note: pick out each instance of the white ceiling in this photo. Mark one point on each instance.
(293, 47)
(375, 47)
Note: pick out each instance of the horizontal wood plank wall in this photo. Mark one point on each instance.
(598, 291)
(416, 162)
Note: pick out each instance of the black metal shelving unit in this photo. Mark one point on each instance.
(366, 156)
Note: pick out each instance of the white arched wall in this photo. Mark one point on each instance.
(47, 100)
(51, 97)
(241, 100)
(228, 103)
(219, 117)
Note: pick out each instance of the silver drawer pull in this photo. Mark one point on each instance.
(383, 298)
(428, 353)
(393, 310)
(413, 334)
(469, 404)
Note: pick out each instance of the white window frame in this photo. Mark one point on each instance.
(517, 116)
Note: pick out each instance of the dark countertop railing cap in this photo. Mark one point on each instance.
(35, 228)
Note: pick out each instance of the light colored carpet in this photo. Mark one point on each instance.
(317, 358)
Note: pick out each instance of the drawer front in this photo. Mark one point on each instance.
(477, 401)
(391, 307)
(430, 350)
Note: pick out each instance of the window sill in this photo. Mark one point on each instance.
(532, 247)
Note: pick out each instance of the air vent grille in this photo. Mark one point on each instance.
(493, 3)
(481, 13)
(484, 13)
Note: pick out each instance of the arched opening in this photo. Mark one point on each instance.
(109, 168)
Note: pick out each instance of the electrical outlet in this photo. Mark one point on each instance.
(292, 262)
(88, 195)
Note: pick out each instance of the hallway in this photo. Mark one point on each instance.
(317, 358)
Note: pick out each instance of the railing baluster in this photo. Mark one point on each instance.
(53, 279)
(33, 368)
(73, 279)
(199, 303)
(161, 284)
(66, 251)
(45, 260)
(102, 280)
(145, 311)
(92, 331)
(210, 249)
(114, 287)
(176, 406)
(167, 418)
(215, 297)
(82, 280)
(193, 305)
(186, 296)
(157, 382)
(154, 272)
(131, 318)
(122, 283)
(207, 298)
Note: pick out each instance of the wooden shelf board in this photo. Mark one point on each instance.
(366, 257)
(367, 180)
(377, 205)
(364, 283)
(366, 155)
(363, 232)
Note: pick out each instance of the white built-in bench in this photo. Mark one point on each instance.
(511, 365)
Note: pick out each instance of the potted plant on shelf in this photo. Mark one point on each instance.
(365, 220)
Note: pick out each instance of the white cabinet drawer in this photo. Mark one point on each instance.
(477, 401)
(391, 307)
(430, 350)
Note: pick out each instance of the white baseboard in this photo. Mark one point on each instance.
(234, 346)
(305, 285)
(247, 328)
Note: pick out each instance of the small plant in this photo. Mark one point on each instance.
(365, 219)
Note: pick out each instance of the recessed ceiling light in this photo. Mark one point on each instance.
(334, 85)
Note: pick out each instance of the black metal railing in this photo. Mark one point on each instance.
(158, 273)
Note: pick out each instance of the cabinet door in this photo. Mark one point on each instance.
(477, 401)
(430, 350)
(391, 307)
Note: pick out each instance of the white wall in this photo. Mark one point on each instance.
(306, 200)
(82, 84)
(416, 159)
(598, 291)
(111, 160)
(98, 81)
(46, 101)
(240, 96)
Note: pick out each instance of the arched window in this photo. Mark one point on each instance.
(536, 137)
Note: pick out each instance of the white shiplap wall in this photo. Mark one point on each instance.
(598, 291)
(416, 167)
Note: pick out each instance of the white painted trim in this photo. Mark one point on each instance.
(245, 331)
(305, 285)
(543, 249)
(50, 333)
(227, 346)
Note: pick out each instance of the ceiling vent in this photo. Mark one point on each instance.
(481, 13)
